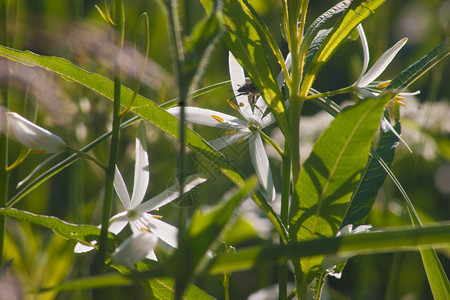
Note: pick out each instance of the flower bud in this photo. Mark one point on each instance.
(33, 136)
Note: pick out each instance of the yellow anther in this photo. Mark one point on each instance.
(217, 118)
(157, 217)
(382, 85)
(232, 105)
(399, 99)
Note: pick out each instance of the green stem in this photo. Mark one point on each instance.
(285, 193)
(4, 177)
(272, 143)
(348, 89)
(110, 171)
(226, 284)
(87, 156)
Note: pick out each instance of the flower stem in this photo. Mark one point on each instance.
(4, 178)
(272, 143)
(87, 156)
(110, 171)
(348, 89)
(285, 195)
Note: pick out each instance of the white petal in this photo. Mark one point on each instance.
(381, 64)
(119, 222)
(151, 255)
(141, 170)
(267, 120)
(134, 249)
(261, 165)
(121, 190)
(227, 140)
(80, 248)
(164, 231)
(205, 117)
(33, 136)
(385, 125)
(260, 108)
(237, 77)
(365, 47)
(170, 194)
(409, 94)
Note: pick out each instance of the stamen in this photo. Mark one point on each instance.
(232, 104)
(382, 85)
(157, 217)
(399, 99)
(217, 118)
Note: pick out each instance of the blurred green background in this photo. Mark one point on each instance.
(74, 30)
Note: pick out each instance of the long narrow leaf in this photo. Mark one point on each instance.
(330, 174)
(357, 12)
(79, 233)
(400, 239)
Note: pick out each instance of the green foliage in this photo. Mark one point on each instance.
(331, 173)
(337, 185)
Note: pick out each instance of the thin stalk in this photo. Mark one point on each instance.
(175, 30)
(7, 40)
(4, 177)
(272, 143)
(110, 171)
(345, 90)
(284, 216)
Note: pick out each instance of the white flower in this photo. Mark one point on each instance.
(366, 86)
(136, 212)
(248, 128)
(33, 136)
(135, 248)
(330, 261)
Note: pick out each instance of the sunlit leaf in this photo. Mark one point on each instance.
(356, 12)
(404, 239)
(331, 173)
(372, 177)
(78, 233)
(420, 67)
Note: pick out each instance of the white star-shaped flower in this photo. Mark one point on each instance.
(249, 127)
(366, 86)
(136, 212)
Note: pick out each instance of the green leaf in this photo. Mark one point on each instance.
(420, 67)
(204, 231)
(101, 281)
(79, 233)
(356, 12)
(391, 240)
(372, 177)
(155, 279)
(440, 286)
(324, 22)
(331, 173)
